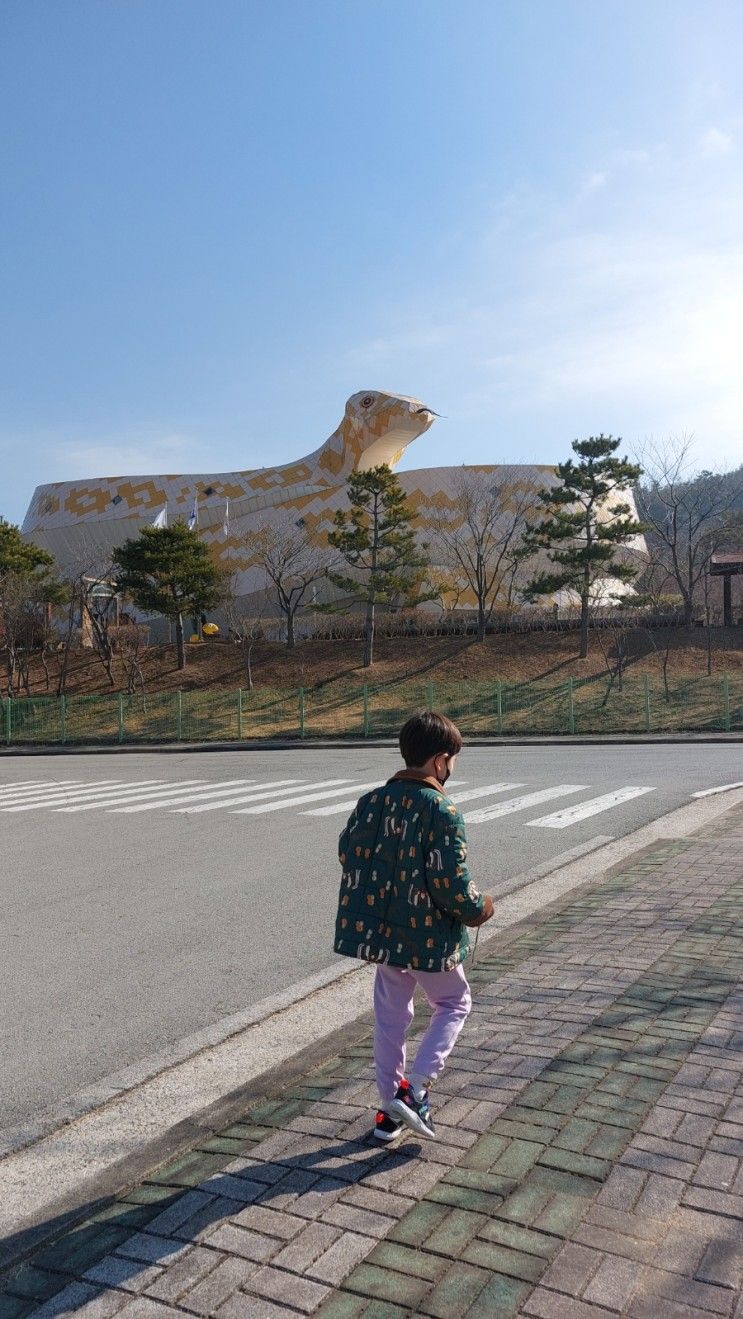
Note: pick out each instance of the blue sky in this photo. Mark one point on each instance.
(222, 217)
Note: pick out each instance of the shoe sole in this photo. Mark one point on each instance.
(386, 1138)
(411, 1119)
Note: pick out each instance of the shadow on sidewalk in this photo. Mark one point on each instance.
(316, 1177)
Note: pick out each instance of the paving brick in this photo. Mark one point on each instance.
(454, 1232)
(131, 1275)
(273, 1222)
(622, 1188)
(570, 1271)
(337, 1262)
(141, 1307)
(660, 1197)
(209, 1294)
(419, 1223)
(703, 1297)
(455, 1293)
(153, 1249)
(613, 1282)
(73, 1297)
(184, 1274)
(240, 1241)
(544, 1304)
(717, 1202)
(171, 1218)
(241, 1306)
(717, 1171)
(306, 1247)
(36, 1284)
(346, 1305)
(722, 1263)
(387, 1285)
(287, 1288)
(380, 1202)
(355, 1219)
(581, 1164)
(504, 1259)
(407, 1260)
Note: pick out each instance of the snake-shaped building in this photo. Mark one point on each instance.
(81, 522)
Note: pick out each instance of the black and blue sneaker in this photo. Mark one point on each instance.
(388, 1128)
(415, 1113)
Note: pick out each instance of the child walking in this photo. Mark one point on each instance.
(405, 900)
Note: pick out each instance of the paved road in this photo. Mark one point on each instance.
(147, 896)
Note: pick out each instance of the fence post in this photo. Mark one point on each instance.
(179, 715)
(121, 717)
(8, 708)
(366, 710)
(301, 712)
(646, 685)
(63, 718)
(239, 714)
(499, 700)
(571, 706)
(726, 701)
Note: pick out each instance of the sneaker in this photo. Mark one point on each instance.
(415, 1113)
(387, 1128)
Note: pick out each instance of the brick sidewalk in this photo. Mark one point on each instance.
(590, 1159)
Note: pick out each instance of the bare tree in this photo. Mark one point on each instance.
(131, 641)
(480, 535)
(25, 601)
(293, 561)
(687, 514)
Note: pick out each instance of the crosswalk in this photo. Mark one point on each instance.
(338, 796)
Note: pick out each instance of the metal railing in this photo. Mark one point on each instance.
(641, 705)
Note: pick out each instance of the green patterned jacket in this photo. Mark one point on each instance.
(405, 888)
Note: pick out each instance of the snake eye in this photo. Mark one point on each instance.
(367, 400)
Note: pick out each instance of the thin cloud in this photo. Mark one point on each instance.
(716, 143)
(116, 456)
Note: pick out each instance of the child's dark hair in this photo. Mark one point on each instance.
(428, 734)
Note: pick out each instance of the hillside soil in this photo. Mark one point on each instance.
(524, 658)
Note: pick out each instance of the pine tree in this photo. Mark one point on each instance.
(21, 556)
(377, 540)
(583, 529)
(169, 571)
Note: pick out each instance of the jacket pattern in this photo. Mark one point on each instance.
(405, 888)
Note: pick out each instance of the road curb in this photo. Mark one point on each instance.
(343, 744)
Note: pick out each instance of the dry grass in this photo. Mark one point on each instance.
(321, 665)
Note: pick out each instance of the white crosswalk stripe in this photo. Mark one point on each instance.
(582, 811)
(52, 798)
(338, 807)
(306, 797)
(269, 792)
(142, 792)
(522, 803)
(21, 787)
(179, 795)
(278, 789)
(38, 789)
(82, 792)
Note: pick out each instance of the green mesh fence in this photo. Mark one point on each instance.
(632, 705)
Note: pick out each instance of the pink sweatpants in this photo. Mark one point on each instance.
(448, 995)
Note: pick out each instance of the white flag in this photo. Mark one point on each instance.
(226, 523)
(162, 518)
(193, 521)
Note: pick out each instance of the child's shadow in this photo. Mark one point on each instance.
(302, 1185)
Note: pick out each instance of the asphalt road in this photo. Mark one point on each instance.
(139, 919)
